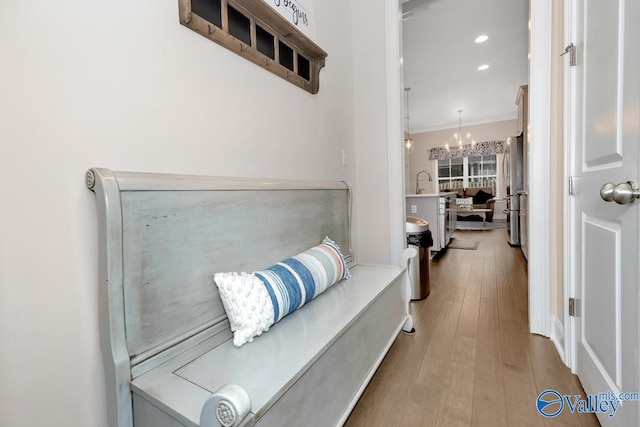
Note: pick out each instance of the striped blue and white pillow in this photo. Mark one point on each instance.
(288, 284)
(297, 280)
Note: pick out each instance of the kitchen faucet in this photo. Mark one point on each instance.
(418, 189)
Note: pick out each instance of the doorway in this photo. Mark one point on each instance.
(540, 290)
(465, 91)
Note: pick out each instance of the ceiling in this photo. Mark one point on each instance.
(441, 60)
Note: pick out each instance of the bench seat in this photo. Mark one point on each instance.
(351, 326)
(165, 337)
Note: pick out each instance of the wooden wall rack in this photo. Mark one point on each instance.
(255, 31)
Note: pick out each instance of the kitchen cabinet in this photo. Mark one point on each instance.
(434, 208)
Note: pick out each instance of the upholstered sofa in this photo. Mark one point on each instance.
(482, 199)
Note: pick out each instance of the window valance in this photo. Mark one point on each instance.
(479, 149)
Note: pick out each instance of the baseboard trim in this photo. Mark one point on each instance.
(557, 336)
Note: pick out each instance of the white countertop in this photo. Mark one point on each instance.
(430, 194)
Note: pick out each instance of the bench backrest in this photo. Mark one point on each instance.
(162, 238)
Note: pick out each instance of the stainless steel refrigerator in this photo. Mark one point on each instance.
(513, 168)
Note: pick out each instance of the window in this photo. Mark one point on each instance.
(253, 30)
(468, 172)
(450, 174)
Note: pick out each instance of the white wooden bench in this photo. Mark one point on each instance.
(165, 336)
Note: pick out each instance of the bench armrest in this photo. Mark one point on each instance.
(226, 407)
(405, 256)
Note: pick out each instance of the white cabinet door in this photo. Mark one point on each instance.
(604, 236)
(427, 208)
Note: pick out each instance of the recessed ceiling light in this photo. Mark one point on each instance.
(482, 38)
(483, 67)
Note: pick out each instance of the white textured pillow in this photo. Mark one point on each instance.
(465, 201)
(247, 304)
(256, 301)
(465, 204)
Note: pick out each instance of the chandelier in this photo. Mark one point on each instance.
(458, 139)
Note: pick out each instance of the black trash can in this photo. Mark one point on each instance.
(422, 240)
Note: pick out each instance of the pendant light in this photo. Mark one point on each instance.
(408, 142)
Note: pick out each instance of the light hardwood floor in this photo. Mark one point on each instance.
(472, 361)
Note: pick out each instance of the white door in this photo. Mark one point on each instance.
(604, 235)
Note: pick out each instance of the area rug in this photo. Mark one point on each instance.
(477, 225)
(463, 244)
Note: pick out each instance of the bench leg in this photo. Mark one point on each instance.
(408, 325)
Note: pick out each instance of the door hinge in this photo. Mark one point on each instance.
(571, 186)
(572, 306)
(571, 50)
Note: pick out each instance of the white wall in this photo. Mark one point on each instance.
(122, 85)
(425, 141)
(378, 131)
(371, 132)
